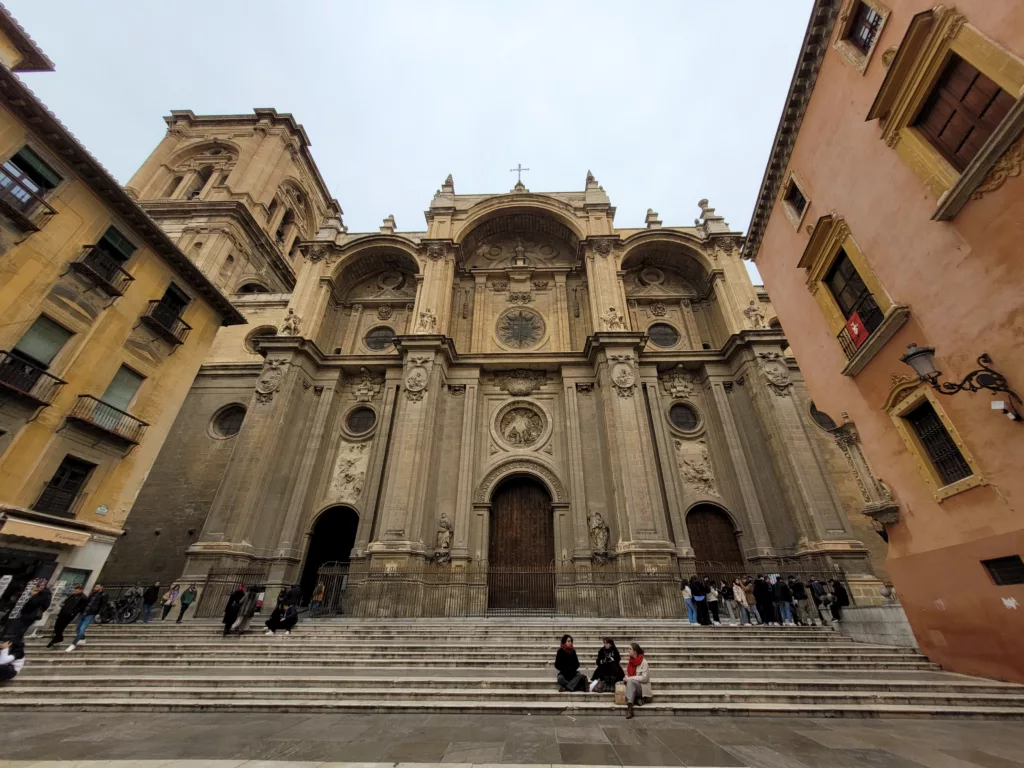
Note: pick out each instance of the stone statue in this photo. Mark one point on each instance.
(599, 536)
(443, 540)
(290, 326)
(754, 315)
(613, 320)
(428, 321)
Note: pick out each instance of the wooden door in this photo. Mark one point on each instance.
(521, 551)
(712, 537)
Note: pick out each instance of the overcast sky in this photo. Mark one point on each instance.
(666, 102)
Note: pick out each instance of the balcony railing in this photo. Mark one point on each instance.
(104, 270)
(28, 379)
(92, 410)
(18, 196)
(870, 317)
(164, 319)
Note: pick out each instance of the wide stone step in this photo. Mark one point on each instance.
(564, 704)
(347, 683)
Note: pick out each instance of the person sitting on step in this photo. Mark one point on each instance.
(282, 619)
(12, 658)
(609, 668)
(568, 665)
(638, 679)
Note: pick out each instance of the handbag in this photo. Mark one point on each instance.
(620, 693)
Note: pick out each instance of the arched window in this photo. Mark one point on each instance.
(202, 176)
(821, 418)
(175, 183)
(252, 288)
(252, 340)
(227, 421)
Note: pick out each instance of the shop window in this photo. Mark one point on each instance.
(949, 106)
(60, 493)
(1005, 571)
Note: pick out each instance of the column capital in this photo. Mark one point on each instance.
(605, 340)
(427, 342)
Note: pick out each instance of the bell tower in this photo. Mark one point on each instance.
(238, 193)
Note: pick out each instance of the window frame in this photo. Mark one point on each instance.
(906, 398)
(80, 493)
(851, 53)
(796, 218)
(919, 62)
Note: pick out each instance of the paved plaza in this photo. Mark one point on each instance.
(228, 740)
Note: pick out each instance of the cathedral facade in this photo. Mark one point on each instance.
(519, 384)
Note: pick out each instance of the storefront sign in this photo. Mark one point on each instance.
(41, 532)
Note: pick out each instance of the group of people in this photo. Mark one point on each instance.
(784, 601)
(173, 596)
(244, 603)
(636, 678)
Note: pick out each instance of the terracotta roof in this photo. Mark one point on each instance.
(16, 97)
(34, 59)
(812, 51)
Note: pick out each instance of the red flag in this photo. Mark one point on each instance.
(858, 333)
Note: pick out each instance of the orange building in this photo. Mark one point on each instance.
(892, 212)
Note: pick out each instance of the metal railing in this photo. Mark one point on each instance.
(28, 379)
(18, 194)
(104, 270)
(163, 318)
(221, 582)
(870, 315)
(94, 411)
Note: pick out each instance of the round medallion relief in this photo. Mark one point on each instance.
(520, 328)
(520, 424)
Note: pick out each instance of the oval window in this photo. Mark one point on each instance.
(381, 337)
(822, 419)
(663, 335)
(228, 421)
(361, 420)
(683, 417)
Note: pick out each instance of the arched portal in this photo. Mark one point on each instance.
(521, 548)
(332, 538)
(713, 537)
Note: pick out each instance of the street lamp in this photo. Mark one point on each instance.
(922, 360)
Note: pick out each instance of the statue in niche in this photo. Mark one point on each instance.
(521, 427)
(519, 260)
(290, 326)
(443, 540)
(599, 537)
(754, 315)
(613, 320)
(428, 321)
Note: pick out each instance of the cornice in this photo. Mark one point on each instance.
(236, 211)
(812, 52)
(33, 58)
(26, 107)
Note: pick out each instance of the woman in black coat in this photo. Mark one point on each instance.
(232, 608)
(700, 601)
(842, 599)
(568, 665)
(609, 665)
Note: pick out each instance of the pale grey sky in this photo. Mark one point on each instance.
(666, 102)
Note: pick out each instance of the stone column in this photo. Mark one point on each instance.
(604, 286)
(408, 472)
(793, 455)
(577, 480)
(355, 314)
(561, 314)
(731, 318)
(748, 491)
(639, 509)
(376, 468)
(479, 312)
(435, 294)
(669, 469)
(312, 294)
(467, 470)
(186, 182)
(690, 324)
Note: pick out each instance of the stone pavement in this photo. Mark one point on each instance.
(229, 740)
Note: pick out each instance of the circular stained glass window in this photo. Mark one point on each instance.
(228, 421)
(520, 328)
(663, 335)
(683, 417)
(361, 420)
(381, 337)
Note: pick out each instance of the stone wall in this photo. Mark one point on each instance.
(879, 624)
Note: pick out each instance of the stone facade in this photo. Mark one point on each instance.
(635, 374)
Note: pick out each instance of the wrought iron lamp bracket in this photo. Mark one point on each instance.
(984, 377)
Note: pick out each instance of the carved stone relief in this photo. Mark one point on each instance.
(520, 297)
(443, 540)
(270, 379)
(520, 382)
(366, 385)
(623, 374)
(613, 320)
(384, 311)
(776, 372)
(694, 464)
(517, 466)
(349, 474)
(290, 325)
(754, 315)
(417, 376)
(427, 322)
(520, 427)
(599, 538)
(678, 382)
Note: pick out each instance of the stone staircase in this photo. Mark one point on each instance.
(492, 666)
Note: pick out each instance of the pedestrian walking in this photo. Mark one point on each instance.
(638, 679)
(187, 598)
(818, 594)
(842, 599)
(73, 605)
(31, 610)
(170, 598)
(149, 598)
(232, 608)
(96, 604)
(318, 598)
(802, 601)
(12, 658)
